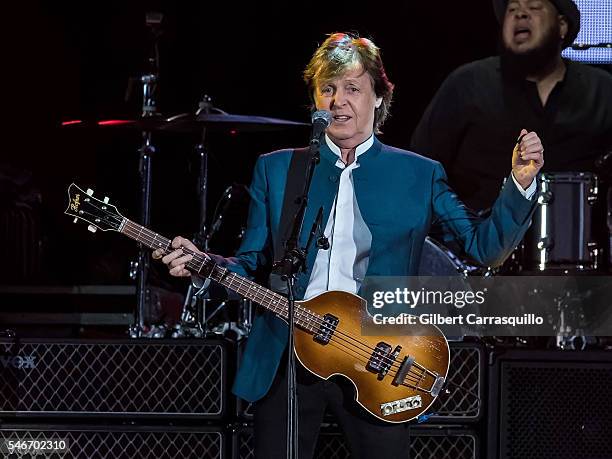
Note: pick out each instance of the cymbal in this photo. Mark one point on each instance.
(150, 123)
(193, 122)
(189, 122)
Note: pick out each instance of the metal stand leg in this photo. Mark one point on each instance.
(149, 111)
(190, 324)
(147, 150)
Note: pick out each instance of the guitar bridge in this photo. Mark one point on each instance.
(326, 329)
(404, 368)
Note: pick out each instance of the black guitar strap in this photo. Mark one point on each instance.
(294, 186)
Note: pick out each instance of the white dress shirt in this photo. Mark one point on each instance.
(344, 264)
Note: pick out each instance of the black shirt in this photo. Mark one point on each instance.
(473, 122)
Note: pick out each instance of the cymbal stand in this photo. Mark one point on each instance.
(147, 150)
(193, 317)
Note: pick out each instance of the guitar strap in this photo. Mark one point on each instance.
(294, 186)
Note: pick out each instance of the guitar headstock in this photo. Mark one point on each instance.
(98, 213)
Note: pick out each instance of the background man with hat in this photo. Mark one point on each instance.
(473, 119)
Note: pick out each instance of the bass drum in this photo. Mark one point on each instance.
(438, 260)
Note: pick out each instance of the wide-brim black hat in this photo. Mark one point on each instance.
(565, 7)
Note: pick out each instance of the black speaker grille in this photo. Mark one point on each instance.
(556, 409)
(331, 446)
(466, 371)
(458, 446)
(244, 442)
(116, 444)
(126, 378)
(425, 443)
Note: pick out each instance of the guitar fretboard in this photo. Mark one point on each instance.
(276, 303)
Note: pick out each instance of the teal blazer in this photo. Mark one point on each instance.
(400, 195)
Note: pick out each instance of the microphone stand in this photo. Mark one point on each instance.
(294, 261)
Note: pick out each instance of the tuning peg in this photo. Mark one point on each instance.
(105, 199)
(89, 192)
(92, 228)
(75, 220)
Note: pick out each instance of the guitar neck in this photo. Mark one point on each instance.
(241, 285)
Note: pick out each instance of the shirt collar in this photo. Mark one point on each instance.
(361, 148)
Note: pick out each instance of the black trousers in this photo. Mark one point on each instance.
(368, 438)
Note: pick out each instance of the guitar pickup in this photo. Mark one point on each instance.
(326, 329)
(382, 358)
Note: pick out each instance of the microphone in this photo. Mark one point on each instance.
(321, 119)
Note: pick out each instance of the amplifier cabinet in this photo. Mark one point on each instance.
(465, 384)
(550, 404)
(431, 442)
(113, 378)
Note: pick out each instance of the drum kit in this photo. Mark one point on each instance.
(570, 235)
(201, 314)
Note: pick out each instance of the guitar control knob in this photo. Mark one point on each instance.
(89, 192)
(75, 220)
(92, 228)
(105, 199)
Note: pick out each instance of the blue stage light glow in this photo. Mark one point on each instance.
(595, 28)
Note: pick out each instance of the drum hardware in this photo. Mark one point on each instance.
(568, 339)
(574, 315)
(149, 121)
(207, 118)
(564, 236)
(237, 318)
(193, 324)
(147, 150)
(439, 260)
(190, 323)
(218, 120)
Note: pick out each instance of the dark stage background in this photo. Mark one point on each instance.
(73, 60)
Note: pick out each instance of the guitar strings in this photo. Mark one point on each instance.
(300, 311)
(164, 243)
